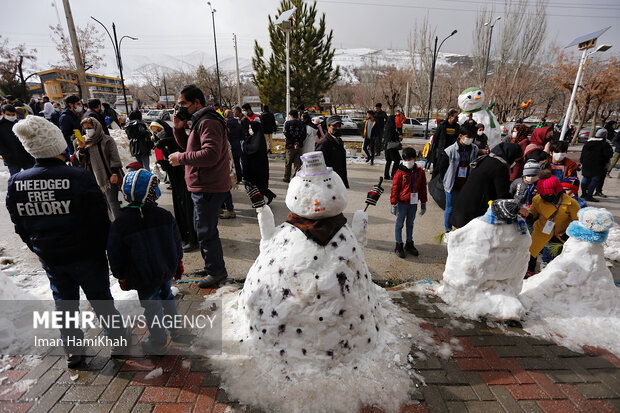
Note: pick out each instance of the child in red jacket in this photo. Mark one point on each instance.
(408, 188)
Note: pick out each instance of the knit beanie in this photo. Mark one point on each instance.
(593, 225)
(531, 168)
(40, 137)
(134, 166)
(572, 183)
(601, 133)
(548, 184)
(141, 186)
(505, 209)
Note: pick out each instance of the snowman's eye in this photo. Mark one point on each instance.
(468, 96)
(480, 93)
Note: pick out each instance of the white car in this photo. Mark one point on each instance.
(348, 124)
(414, 127)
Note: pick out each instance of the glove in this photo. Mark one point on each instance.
(180, 271)
(422, 209)
(256, 198)
(375, 193)
(393, 210)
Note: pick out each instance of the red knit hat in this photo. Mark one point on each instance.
(549, 186)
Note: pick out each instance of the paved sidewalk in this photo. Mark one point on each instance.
(496, 371)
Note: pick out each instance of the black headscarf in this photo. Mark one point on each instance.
(509, 152)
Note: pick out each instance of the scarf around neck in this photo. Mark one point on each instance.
(320, 231)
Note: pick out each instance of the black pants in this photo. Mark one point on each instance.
(601, 182)
(238, 170)
(369, 148)
(391, 155)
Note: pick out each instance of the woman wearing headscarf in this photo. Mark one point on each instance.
(255, 161)
(538, 148)
(521, 130)
(489, 180)
(392, 139)
(98, 153)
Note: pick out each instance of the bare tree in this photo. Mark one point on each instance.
(90, 41)
(421, 51)
(393, 85)
(480, 37)
(14, 61)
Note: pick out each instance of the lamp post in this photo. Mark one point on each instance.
(430, 94)
(285, 23)
(117, 51)
(217, 64)
(486, 66)
(583, 43)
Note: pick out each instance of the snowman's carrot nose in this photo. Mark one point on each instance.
(316, 202)
(477, 97)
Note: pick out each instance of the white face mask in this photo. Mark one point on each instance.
(467, 141)
(409, 164)
(90, 132)
(559, 157)
(245, 113)
(480, 133)
(10, 118)
(79, 108)
(530, 179)
(514, 134)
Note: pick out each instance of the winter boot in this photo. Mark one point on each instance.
(212, 281)
(122, 347)
(411, 249)
(151, 348)
(73, 360)
(228, 214)
(399, 250)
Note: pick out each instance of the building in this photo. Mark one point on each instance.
(60, 83)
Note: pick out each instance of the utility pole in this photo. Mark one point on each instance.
(237, 65)
(79, 63)
(166, 91)
(407, 100)
(217, 64)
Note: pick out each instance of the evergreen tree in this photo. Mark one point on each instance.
(311, 54)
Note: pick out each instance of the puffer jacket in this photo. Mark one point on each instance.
(405, 180)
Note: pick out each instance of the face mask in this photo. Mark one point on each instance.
(409, 164)
(79, 108)
(57, 109)
(480, 133)
(553, 198)
(10, 118)
(337, 133)
(90, 132)
(467, 141)
(183, 114)
(559, 157)
(514, 134)
(530, 179)
(244, 112)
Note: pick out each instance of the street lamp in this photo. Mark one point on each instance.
(217, 64)
(430, 94)
(117, 51)
(284, 22)
(486, 66)
(583, 43)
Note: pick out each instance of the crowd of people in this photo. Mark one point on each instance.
(66, 175)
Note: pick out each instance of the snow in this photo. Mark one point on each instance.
(154, 373)
(574, 301)
(122, 143)
(484, 270)
(612, 245)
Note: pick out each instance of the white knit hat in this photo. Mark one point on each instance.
(40, 137)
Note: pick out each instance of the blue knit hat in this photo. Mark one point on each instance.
(593, 225)
(141, 186)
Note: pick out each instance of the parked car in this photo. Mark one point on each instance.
(280, 119)
(151, 115)
(348, 125)
(584, 133)
(414, 126)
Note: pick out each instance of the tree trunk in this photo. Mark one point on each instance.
(594, 121)
(582, 120)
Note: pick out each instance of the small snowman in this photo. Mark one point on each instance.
(471, 101)
(577, 282)
(309, 299)
(487, 259)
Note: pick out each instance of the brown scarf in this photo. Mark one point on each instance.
(320, 231)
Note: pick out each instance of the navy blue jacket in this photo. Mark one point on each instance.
(11, 149)
(59, 212)
(144, 247)
(235, 136)
(68, 122)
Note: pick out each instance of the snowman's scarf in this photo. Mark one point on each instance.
(320, 231)
(467, 112)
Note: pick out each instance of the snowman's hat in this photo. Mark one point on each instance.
(313, 165)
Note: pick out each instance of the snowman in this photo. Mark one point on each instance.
(309, 297)
(471, 101)
(577, 282)
(487, 259)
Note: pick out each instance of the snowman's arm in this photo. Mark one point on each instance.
(360, 227)
(266, 222)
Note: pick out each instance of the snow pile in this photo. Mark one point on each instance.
(612, 245)
(122, 143)
(574, 301)
(484, 270)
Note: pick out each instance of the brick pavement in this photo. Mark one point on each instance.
(493, 371)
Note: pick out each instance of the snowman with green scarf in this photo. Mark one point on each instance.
(471, 101)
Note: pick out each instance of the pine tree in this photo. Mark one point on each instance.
(311, 55)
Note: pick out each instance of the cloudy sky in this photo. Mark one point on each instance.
(184, 27)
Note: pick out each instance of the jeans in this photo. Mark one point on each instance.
(451, 198)
(391, 155)
(369, 143)
(405, 211)
(111, 196)
(93, 277)
(144, 161)
(228, 202)
(588, 184)
(292, 158)
(206, 214)
(13, 169)
(238, 168)
(157, 302)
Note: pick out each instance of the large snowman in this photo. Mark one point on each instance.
(487, 260)
(471, 101)
(310, 331)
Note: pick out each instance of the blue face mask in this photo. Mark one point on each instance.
(57, 109)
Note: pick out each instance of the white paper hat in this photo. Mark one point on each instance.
(313, 165)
